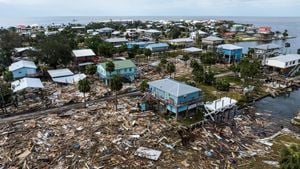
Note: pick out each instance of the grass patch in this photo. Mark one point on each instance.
(278, 144)
(232, 79)
(192, 120)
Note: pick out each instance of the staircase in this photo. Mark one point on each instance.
(294, 71)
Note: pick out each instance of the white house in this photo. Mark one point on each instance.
(187, 42)
(34, 83)
(284, 61)
(288, 64)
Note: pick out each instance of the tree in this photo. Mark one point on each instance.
(163, 61)
(93, 43)
(9, 40)
(91, 69)
(116, 85)
(6, 95)
(7, 76)
(249, 68)
(174, 33)
(209, 78)
(144, 86)
(147, 52)
(285, 33)
(5, 59)
(55, 50)
(198, 39)
(198, 71)
(290, 157)
(84, 87)
(110, 67)
(222, 85)
(209, 58)
(251, 52)
(171, 68)
(106, 49)
(185, 58)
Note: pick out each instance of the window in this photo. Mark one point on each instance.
(294, 62)
(286, 64)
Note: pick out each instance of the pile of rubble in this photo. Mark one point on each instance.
(99, 137)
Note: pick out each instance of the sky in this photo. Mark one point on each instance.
(40, 8)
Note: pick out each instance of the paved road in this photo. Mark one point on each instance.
(65, 108)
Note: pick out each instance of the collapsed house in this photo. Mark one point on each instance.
(22, 84)
(220, 106)
(65, 76)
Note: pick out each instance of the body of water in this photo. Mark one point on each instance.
(281, 110)
(292, 24)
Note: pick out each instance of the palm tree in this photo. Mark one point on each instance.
(116, 85)
(84, 86)
(110, 67)
(144, 86)
(285, 33)
(147, 53)
(91, 69)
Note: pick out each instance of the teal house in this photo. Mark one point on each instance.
(231, 53)
(23, 68)
(176, 96)
(124, 68)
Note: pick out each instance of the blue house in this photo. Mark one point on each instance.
(22, 69)
(141, 45)
(158, 47)
(123, 68)
(176, 96)
(231, 53)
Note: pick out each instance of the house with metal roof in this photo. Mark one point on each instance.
(83, 57)
(117, 41)
(287, 64)
(266, 51)
(230, 52)
(25, 83)
(124, 68)
(176, 96)
(186, 42)
(141, 45)
(158, 47)
(200, 33)
(192, 50)
(22, 69)
(152, 33)
(65, 76)
(212, 40)
(22, 52)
